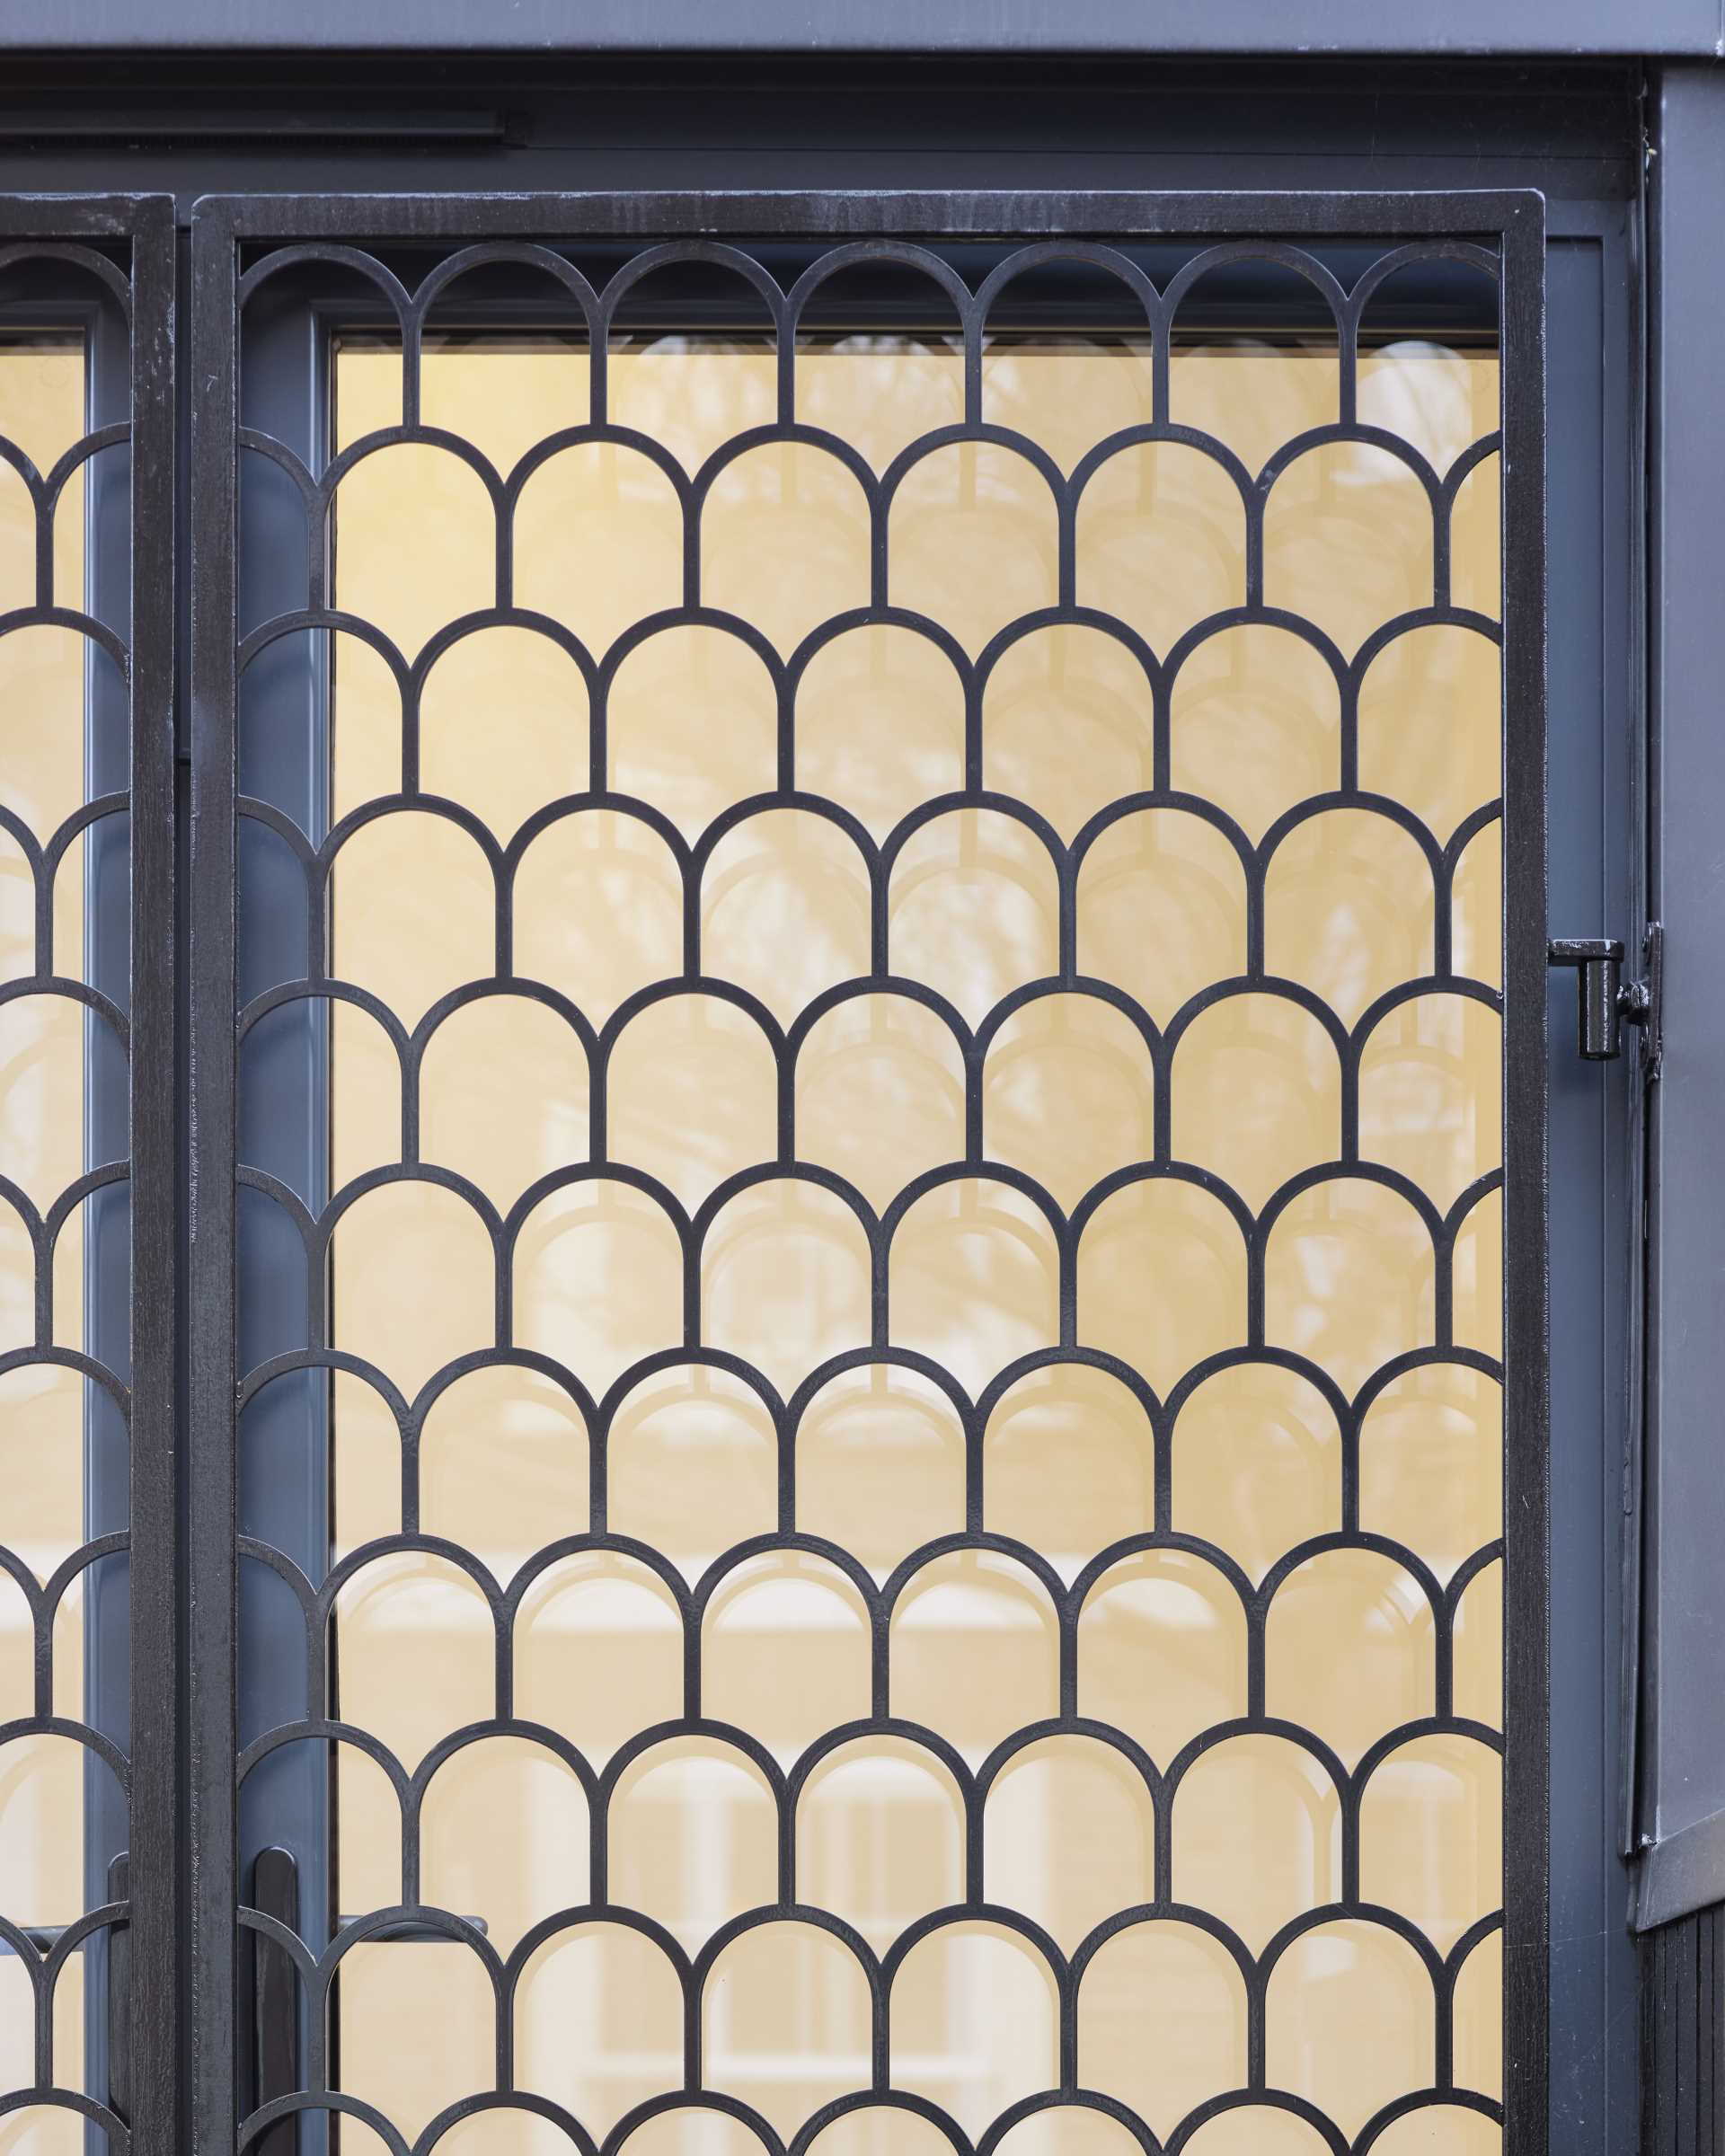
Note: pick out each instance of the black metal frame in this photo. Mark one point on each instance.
(226, 227)
(128, 243)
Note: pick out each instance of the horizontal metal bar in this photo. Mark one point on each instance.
(44, 1938)
(840, 214)
(315, 123)
(1583, 950)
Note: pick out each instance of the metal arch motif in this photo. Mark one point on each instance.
(473, 233)
(110, 259)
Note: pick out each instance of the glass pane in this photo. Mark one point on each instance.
(912, 1134)
(63, 1111)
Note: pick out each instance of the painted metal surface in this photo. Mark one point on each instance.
(301, 231)
(1679, 1824)
(1674, 27)
(123, 248)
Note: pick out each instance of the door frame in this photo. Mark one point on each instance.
(125, 244)
(223, 227)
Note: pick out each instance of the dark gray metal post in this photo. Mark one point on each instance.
(1680, 1811)
(212, 1555)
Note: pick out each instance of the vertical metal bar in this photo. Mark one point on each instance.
(1715, 2124)
(1526, 1407)
(1699, 2035)
(1688, 1953)
(1600, 1026)
(1653, 1960)
(212, 1557)
(1643, 906)
(151, 2072)
(1669, 2010)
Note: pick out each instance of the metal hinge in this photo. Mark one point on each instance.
(1605, 1003)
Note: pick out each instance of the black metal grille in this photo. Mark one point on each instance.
(540, 241)
(101, 271)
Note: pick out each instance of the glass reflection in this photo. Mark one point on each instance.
(1366, 1979)
(63, 1473)
(1069, 1836)
(975, 2021)
(785, 1652)
(1161, 2021)
(788, 942)
(1069, 1463)
(880, 1828)
(692, 1837)
(600, 1651)
(1162, 1649)
(620, 1990)
(972, 540)
(974, 1650)
(880, 1464)
(787, 2022)
(1068, 725)
(1272, 1798)
(1161, 540)
(784, 540)
(1431, 1834)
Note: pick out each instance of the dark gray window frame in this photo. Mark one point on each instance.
(1677, 1821)
(301, 119)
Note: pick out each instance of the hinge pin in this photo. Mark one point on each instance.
(1605, 1001)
